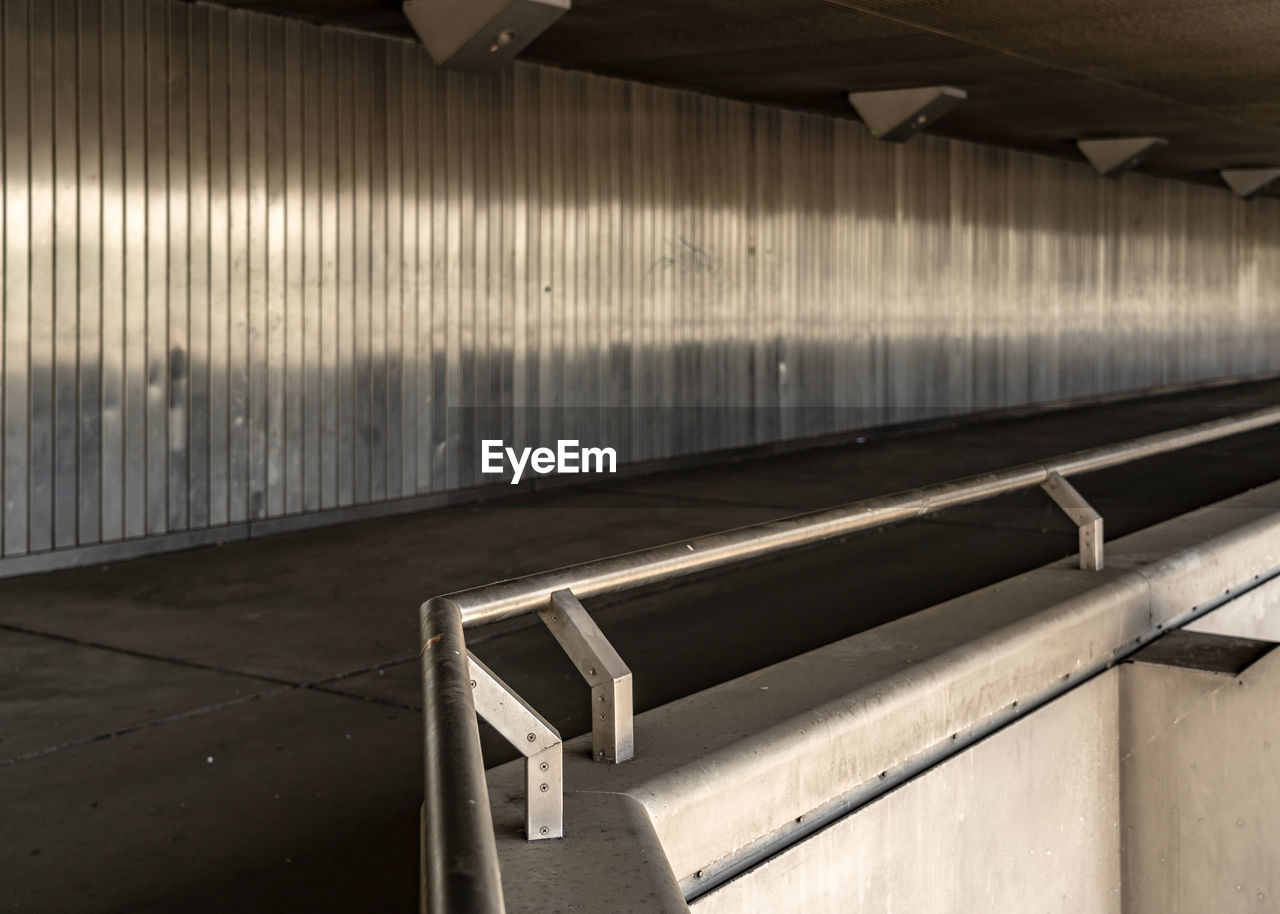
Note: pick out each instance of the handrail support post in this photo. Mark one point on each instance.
(612, 720)
(1087, 520)
(539, 743)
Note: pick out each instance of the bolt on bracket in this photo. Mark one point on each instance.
(1085, 517)
(537, 741)
(612, 721)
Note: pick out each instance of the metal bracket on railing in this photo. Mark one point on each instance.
(1081, 512)
(538, 742)
(612, 724)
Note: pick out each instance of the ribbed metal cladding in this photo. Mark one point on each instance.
(258, 269)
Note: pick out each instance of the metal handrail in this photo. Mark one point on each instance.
(518, 596)
(531, 593)
(460, 855)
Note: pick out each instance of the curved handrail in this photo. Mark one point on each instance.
(459, 852)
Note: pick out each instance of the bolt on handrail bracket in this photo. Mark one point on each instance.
(537, 741)
(1085, 517)
(612, 723)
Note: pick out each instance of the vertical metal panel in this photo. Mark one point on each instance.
(255, 268)
(425, 137)
(238, 267)
(329, 109)
(377, 420)
(272, 357)
(541, 376)
(177, 212)
(16, 276)
(504, 368)
(218, 301)
(433, 316)
(463, 279)
(310, 306)
(345, 227)
(344, 363)
(91, 182)
(407, 272)
(155, 254)
(293, 327)
(450, 204)
(199, 245)
(394, 337)
(65, 356)
(487, 294)
(259, 249)
(41, 277)
(115, 190)
(361, 85)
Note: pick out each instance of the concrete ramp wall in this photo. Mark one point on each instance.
(1052, 743)
(1151, 789)
(1026, 820)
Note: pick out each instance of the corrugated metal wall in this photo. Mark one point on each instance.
(256, 269)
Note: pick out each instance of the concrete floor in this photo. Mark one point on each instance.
(237, 728)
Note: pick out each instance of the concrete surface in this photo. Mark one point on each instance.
(1200, 800)
(1026, 820)
(1150, 789)
(613, 839)
(1255, 615)
(291, 661)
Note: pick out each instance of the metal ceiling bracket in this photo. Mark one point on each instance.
(896, 115)
(1086, 519)
(612, 721)
(480, 35)
(538, 742)
(1249, 182)
(1111, 157)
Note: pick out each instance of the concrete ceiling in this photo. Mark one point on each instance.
(1205, 74)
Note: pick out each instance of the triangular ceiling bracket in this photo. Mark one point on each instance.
(480, 35)
(1249, 182)
(896, 115)
(1111, 157)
